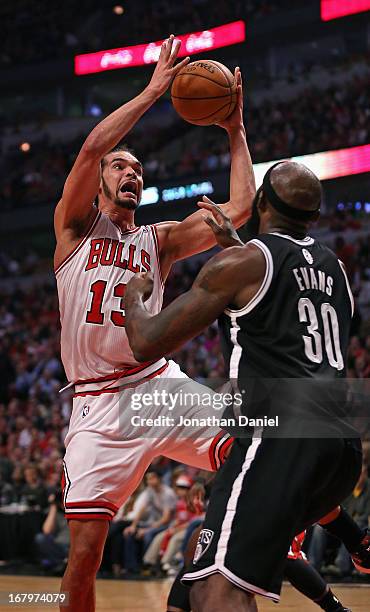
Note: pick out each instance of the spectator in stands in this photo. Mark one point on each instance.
(17, 484)
(153, 515)
(33, 492)
(166, 544)
(53, 542)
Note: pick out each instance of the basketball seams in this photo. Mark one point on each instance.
(194, 102)
(210, 114)
(202, 76)
(202, 98)
(230, 88)
(220, 67)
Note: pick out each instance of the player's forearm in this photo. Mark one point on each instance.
(153, 336)
(109, 132)
(147, 334)
(242, 182)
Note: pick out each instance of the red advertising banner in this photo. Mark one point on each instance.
(332, 9)
(140, 55)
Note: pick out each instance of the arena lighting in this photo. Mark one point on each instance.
(118, 9)
(326, 165)
(140, 55)
(25, 147)
(152, 195)
(332, 9)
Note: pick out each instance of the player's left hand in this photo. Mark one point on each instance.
(140, 284)
(235, 120)
(166, 70)
(220, 224)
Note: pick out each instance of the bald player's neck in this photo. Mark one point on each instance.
(281, 225)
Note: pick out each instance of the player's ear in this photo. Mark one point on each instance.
(261, 201)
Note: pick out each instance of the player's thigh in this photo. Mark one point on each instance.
(191, 437)
(103, 463)
(87, 540)
(257, 504)
(339, 468)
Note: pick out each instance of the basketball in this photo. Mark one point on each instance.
(204, 92)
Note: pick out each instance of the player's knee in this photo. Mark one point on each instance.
(84, 559)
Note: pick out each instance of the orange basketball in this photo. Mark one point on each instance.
(204, 92)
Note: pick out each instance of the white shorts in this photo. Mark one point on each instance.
(107, 455)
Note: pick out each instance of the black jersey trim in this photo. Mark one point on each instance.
(304, 242)
(264, 286)
(350, 295)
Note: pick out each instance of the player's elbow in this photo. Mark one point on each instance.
(91, 148)
(139, 355)
(143, 351)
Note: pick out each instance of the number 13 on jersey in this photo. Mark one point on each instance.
(95, 315)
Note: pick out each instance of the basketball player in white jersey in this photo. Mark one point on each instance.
(99, 248)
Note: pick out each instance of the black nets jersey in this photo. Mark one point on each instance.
(288, 345)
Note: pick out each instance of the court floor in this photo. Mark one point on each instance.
(130, 596)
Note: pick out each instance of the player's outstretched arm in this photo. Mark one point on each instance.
(181, 240)
(75, 210)
(217, 285)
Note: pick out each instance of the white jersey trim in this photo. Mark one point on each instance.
(156, 244)
(304, 242)
(237, 349)
(350, 295)
(231, 577)
(264, 286)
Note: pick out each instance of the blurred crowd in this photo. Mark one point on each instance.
(33, 34)
(316, 121)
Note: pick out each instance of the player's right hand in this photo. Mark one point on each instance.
(220, 224)
(165, 71)
(235, 120)
(140, 284)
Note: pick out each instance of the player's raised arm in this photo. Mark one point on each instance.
(181, 240)
(217, 285)
(75, 211)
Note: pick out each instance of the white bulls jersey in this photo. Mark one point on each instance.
(91, 284)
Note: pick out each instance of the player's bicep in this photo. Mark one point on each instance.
(75, 208)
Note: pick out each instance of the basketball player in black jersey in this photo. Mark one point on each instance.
(284, 307)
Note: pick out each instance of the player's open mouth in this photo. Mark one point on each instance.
(129, 189)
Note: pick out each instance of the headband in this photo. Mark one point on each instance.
(281, 206)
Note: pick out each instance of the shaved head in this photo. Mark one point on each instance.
(288, 201)
(296, 185)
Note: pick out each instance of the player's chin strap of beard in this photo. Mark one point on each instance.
(296, 214)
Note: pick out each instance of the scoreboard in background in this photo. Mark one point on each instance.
(332, 9)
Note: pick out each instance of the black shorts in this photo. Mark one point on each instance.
(269, 490)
